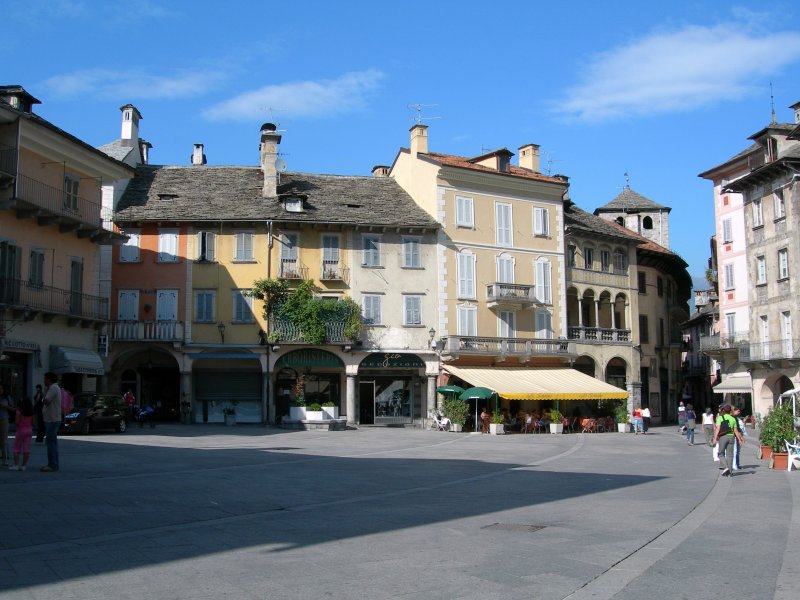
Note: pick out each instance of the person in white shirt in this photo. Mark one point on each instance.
(708, 426)
(681, 415)
(646, 418)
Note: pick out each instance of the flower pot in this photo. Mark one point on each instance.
(330, 412)
(496, 429)
(230, 419)
(766, 452)
(314, 415)
(458, 428)
(779, 461)
(623, 427)
(556, 428)
(297, 413)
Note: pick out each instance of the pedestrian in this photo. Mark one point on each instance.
(38, 407)
(130, 400)
(646, 418)
(737, 414)
(638, 423)
(52, 420)
(6, 408)
(681, 416)
(708, 426)
(23, 433)
(66, 401)
(691, 422)
(725, 432)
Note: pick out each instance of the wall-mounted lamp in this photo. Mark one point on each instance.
(221, 329)
(347, 348)
(276, 348)
(431, 336)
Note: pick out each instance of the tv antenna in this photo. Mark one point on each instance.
(627, 181)
(419, 108)
(549, 160)
(772, 103)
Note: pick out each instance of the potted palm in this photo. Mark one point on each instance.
(496, 427)
(456, 410)
(776, 429)
(556, 425)
(623, 418)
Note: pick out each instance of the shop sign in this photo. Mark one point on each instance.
(392, 360)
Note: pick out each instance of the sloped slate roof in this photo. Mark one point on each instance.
(463, 162)
(577, 219)
(116, 150)
(630, 200)
(200, 193)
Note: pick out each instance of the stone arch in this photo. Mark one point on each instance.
(620, 311)
(647, 223)
(588, 308)
(606, 318)
(586, 364)
(616, 372)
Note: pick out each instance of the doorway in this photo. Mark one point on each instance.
(366, 402)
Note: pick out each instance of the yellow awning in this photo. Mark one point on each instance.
(539, 384)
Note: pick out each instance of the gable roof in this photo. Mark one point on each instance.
(577, 219)
(629, 201)
(462, 162)
(201, 193)
(116, 150)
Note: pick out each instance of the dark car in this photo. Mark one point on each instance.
(92, 411)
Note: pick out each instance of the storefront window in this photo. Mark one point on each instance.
(392, 398)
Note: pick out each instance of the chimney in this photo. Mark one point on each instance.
(144, 150)
(16, 97)
(796, 108)
(198, 158)
(269, 154)
(380, 171)
(529, 157)
(419, 139)
(130, 125)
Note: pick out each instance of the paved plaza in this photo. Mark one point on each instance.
(202, 512)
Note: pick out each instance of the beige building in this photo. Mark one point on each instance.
(52, 226)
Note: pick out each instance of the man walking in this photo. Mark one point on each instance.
(52, 421)
(725, 433)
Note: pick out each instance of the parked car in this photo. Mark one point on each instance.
(92, 411)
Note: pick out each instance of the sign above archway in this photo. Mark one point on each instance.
(309, 358)
(392, 360)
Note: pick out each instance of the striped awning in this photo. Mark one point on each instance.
(539, 384)
(735, 383)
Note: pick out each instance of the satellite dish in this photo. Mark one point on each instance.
(280, 165)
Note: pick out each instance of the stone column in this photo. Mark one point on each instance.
(351, 399)
(267, 402)
(580, 314)
(431, 399)
(187, 416)
(597, 313)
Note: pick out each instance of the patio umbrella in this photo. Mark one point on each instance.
(450, 389)
(479, 393)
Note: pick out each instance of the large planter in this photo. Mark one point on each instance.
(779, 461)
(297, 413)
(556, 428)
(766, 452)
(314, 415)
(457, 427)
(496, 429)
(330, 412)
(623, 427)
(230, 419)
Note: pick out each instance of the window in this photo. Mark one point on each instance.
(465, 216)
(758, 217)
(206, 242)
(242, 307)
(729, 282)
(506, 324)
(572, 251)
(727, 231)
(588, 258)
(647, 223)
(371, 246)
(544, 325)
(605, 261)
(129, 252)
(505, 269)
(541, 222)
(783, 263)
(412, 310)
(466, 275)
(289, 266)
(543, 287)
(293, 205)
(780, 206)
(644, 333)
(204, 306)
(730, 324)
(660, 286)
(330, 257)
(412, 258)
(761, 270)
(786, 334)
(764, 329)
(371, 308)
(503, 227)
(71, 192)
(243, 251)
(467, 320)
(128, 305)
(620, 261)
(642, 282)
(36, 268)
(167, 245)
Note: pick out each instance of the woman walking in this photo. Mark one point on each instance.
(691, 421)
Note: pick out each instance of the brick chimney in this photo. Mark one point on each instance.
(198, 157)
(419, 139)
(130, 125)
(380, 171)
(269, 154)
(529, 157)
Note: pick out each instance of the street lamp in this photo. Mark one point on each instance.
(221, 329)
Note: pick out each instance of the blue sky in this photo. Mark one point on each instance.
(662, 92)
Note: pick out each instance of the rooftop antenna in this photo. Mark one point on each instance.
(627, 180)
(772, 103)
(419, 107)
(550, 160)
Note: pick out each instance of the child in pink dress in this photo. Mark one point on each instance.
(22, 438)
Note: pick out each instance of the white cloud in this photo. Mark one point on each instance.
(132, 85)
(677, 71)
(303, 98)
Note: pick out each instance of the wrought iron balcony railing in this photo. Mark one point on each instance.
(147, 331)
(289, 333)
(291, 268)
(765, 351)
(718, 342)
(21, 294)
(333, 270)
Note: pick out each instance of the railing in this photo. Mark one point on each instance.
(8, 160)
(55, 201)
(598, 334)
(289, 333)
(291, 268)
(333, 270)
(147, 331)
(777, 350)
(19, 293)
(717, 342)
(611, 278)
(493, 346)
(510, 292)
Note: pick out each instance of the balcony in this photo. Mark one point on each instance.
(289, 333)
(717, 342)
(291, 268)
(52, 206)
(147, 331)
(599, 335)
(502, 347)
(23, 295)
(613, 279)
(770, 351)
(8, 162)
(509, 295)
(333, 270)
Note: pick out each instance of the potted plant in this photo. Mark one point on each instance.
(229, 412)
(777, 428)
(330, 410)
(496, 427)
(314, 412)
(622, 418)
(297, 411)
(456, 410)
(556, 425)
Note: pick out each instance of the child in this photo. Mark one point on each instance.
(22, 438)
